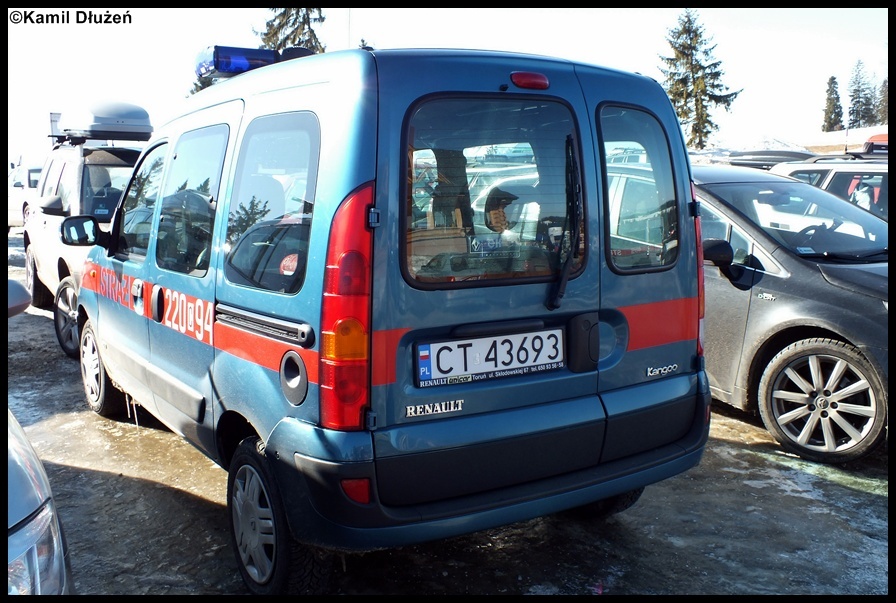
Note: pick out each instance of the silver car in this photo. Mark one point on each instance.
(37, 552)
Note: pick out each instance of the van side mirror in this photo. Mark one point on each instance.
(718, 251)
(83, 231)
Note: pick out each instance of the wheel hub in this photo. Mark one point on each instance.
(250, 524)
(822, 403)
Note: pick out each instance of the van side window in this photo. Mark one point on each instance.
(138, 205)
(486, 191)
(640, 193)
(272, 203)
(189, 200)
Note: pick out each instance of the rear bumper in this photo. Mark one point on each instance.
(322, 515)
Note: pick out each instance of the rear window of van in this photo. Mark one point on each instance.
(486, 196)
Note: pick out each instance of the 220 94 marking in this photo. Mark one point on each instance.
(189, 315)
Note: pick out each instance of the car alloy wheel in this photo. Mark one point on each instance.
(40, 295)
(65, 317)
(822, 400)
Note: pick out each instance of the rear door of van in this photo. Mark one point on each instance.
(491, 319)
(652, 382)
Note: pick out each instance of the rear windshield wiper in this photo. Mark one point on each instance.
(576, 211)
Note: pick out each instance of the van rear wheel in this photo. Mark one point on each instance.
(271, 561)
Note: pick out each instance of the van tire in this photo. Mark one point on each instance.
(65, 317)
(41, 297)
(858, 399)
(103, 397)
(283, 566)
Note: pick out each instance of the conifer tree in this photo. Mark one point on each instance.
(862, 99)
(693, 80)
(833, 109)
(883, 103)
(293, 27)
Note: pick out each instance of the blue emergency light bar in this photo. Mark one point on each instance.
(227, 61)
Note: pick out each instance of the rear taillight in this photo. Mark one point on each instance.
(345, 316)
(701, 295)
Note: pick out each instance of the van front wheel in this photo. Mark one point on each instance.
(271, 561)
(102, 396)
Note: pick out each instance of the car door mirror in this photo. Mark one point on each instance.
(53, 206)
(18, 298)
(718, 251)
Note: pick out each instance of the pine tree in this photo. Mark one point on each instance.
(293, 27)
(694, 80)
(883, 103)
(862, 99)
(833, 110)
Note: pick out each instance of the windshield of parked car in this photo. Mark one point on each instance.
(101, 187)
(806, 220)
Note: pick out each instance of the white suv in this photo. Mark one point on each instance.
(83, 174)
(861, 181)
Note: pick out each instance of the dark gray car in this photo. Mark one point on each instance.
(796, 310)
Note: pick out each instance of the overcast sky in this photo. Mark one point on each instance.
(781, 58)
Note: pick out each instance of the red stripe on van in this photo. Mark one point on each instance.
(106, 282)
(89, 276)
(261, 350)
(385, 351)
(661, 323)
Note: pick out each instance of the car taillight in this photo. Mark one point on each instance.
(701, 299)
(345, 316)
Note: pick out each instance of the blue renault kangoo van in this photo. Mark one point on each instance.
(298, 282)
